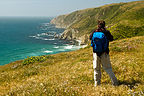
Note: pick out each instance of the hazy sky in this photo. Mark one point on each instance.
(48, 7)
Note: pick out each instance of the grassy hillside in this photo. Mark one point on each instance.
(123, 19)
(71, 73)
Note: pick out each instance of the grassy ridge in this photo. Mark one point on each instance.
(71, 73)
(124, 20)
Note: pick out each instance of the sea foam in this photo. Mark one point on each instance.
(56, 47)
(68, 47)
(47, 51)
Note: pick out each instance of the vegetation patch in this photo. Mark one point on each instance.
(33, 59)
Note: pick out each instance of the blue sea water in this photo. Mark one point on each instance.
(29, 36)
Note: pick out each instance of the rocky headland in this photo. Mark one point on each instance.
(124, 20)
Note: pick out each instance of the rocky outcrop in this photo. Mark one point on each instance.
(73, 35)
(69, 34)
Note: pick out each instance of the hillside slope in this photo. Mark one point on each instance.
(123, 20)
(71, 73)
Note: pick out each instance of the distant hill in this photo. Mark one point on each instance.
(124, 20)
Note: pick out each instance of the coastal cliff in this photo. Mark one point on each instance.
(124, 20)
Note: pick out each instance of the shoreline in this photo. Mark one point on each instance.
(69, 46)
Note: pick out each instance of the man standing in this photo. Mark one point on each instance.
(101, 55)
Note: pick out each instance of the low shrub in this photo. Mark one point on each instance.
(33, 59)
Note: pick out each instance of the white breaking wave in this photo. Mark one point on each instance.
(42, 34)
(68, 47)
(56, 47)
(47, 39)
(41, 38)
(50, 35)
(47, 51)
(74, 47)
(38, 37)
(32, 36)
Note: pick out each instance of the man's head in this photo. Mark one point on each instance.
(101, 24)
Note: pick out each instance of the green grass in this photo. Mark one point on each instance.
(71, 73)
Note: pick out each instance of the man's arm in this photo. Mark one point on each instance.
(109, 36)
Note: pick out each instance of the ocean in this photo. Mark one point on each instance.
(21, 37)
